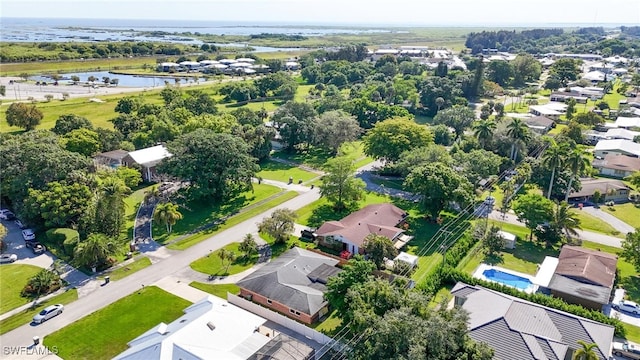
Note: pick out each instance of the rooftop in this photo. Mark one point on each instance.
(589, 186)
(622, 145)
(150, 156)
(588, 266)
(618, 162)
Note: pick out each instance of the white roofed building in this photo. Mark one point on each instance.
(147, 159)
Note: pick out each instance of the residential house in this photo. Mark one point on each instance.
(610, 189)
(349, 233)
(214, 329)
(619, 166)
(518, 329)
(293, 284)
(564, 96)
(551, 110)
(584, 277)
(617, 146)
(168, 67)
(110, 159)
(627, 122)
(540, 124)
(147, 159)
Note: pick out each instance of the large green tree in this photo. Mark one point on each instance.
(438, 185)
(83, 141)
(279, 225)
(518, 131)
(339, 185)
(59, 204)
(69, 122)
(23, 115)
(95, 251)
(500, 72)
(566, 220)
(390, 138)
(333, 128)
(631, 249)
(483, 130)
(533, 210)
(526, 69)
(553, 159)
(356, 271)
(379, 247)
(218, 166)
(110, 206)
(431, 153)
(458, 117)
(294, 121)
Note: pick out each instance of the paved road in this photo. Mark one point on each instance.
(116, 290)
(617, 224)
(584, 235)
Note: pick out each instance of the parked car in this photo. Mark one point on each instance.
(627, 306)
(20, 224)
(47, 313)
(36, 247)
(627, 350)
(7, 215)
(8, 258)
(28, 235)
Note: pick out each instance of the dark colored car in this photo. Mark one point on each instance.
(36, 247)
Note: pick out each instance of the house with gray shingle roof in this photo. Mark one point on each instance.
(293, 284)
(518, 329)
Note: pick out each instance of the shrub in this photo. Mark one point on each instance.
(48, 97)
(65, 238)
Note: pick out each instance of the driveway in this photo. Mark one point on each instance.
(16, 245)
(617, 224)
(623, 316)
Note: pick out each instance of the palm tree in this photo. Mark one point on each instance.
(168, 214)
(518, 131)
(43, 282)
(94, 250)
(111, 206)
(553, 158)
(228, 256)
(586, 352)
(483, 130)
(152, 195)
(577, 164)
(566, 220)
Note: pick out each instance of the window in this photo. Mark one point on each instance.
(294, 312)
(269, 301)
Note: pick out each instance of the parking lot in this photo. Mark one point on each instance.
(16, 245)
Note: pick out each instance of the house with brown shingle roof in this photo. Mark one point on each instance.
(619, 166)
(584, 277)
(350, 232)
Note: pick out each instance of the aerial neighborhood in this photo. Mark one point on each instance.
(320, 193)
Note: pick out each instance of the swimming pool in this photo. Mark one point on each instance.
(512, 280)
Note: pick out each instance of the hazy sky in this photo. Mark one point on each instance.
(409, 12)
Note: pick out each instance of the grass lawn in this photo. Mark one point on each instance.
(329, 325)
(557, 130)
(219, 290)
(244, 215)
(25, 316)
(316, 157)
(632, 333)
(200, 213)
(14, 278)
(628, 213)
(591, 223)
(211, 263)
(444, 294)
(273, 170)
(105, 333)
(127, 270)
(525, 258)
(319, 211)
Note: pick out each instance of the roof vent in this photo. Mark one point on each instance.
(162, 329)
(376, 213)
(211, 325)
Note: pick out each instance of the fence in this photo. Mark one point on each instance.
(279, 319)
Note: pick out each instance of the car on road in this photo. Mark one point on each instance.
(47, 313)
(20, 224)
(627, 306)
(7, 215)
(626, 350)
(8, 258)
(36, 247)
(28, 235)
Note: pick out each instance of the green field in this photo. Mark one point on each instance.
(212, 265)
(14, 277)
(234, 220)
(201, 213)
(219, 290)
(628, 213)
(129, 269)
(24, 317)
(277, 171)
(591, 223)
(125, 319)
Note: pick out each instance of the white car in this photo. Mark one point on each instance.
(8, 258)
(627, 350)
(47, 313)
(6, 214)
(28, 235)
(627, 306)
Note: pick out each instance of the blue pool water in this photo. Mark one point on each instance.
(515, 281)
